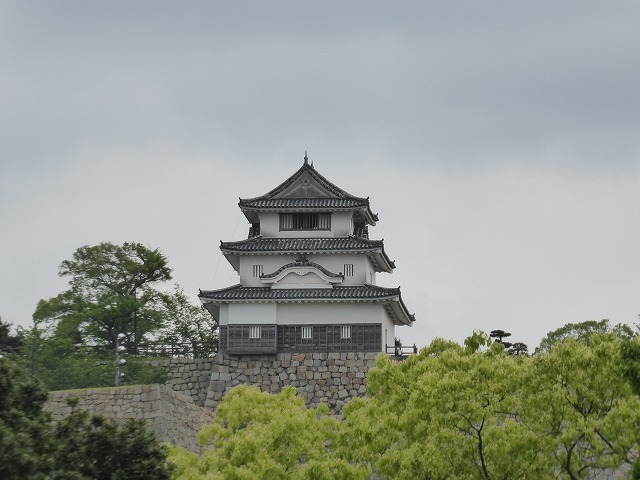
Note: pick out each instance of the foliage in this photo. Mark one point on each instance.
(62, 365)
(578, 395)
(451, 412)
(8, 343)
(447, 412)
(93, 447)
(189, 324)
(26, 441)
(79, 447)
(111, 291)
(259, 435)
(583, 331)
(630, 351)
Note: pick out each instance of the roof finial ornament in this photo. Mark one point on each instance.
(306, 158)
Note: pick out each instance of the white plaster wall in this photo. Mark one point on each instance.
(389, 329)
(341, 226)
(270, 263)
(269, 224)
(252, 313)
(362, 269)
(224, 314)
(330, 313)
(337, 313)
(310, 313)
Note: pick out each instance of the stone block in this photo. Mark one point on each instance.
(217, 386)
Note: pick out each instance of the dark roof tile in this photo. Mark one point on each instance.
(302, 245)
(362, 292)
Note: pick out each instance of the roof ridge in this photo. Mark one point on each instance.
(306, 167)
(261, 238)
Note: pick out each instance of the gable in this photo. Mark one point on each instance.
(305, 187)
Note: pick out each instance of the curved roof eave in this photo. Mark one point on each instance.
(278, 245)
(360, 204)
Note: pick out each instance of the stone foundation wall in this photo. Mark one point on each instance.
(177, 410)
(331, 378)
(171, 415)
(189, 376)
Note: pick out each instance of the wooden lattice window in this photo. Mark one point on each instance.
(307, 333)
(348, 269)
(345, 331)
(328, 338)
(305, 221)
(255, 331)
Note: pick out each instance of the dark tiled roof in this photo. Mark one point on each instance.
(338, 199)
(391, 297)
(302, 262)
(320, 203)
(238, 292)
(302, 245)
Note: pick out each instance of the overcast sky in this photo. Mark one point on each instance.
(499, 143)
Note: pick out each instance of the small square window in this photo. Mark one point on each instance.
(307, 333)
(255, 331)
(257, 271)
(348, 269)
(345, 331)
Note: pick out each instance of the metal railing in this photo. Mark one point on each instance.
(401, 350)
(151, 349)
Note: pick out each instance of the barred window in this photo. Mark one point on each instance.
(255, 331)
(348, 269)
(345, 331)
(307, 333)
(305, 221)
(257, 271)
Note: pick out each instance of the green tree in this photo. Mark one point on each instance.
(189, 324)
(583, 331)
(451, 412)
(448, 412)
(79, 447)
(111, 290)
(577, 394)
(26, 441)
(8, 343)
(260, 435)
(630, 353)
(62, 365)
(93, 447)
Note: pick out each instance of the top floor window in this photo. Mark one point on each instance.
(305, 221)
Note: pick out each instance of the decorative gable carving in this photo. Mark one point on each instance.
(302, 274)
(305, 187)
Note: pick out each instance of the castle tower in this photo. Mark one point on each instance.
(307, 275)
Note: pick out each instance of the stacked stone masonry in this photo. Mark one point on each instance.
(177, 410)
(172, 416)
(189, 376)
(330, 378)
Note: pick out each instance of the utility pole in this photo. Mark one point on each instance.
(120, 362)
